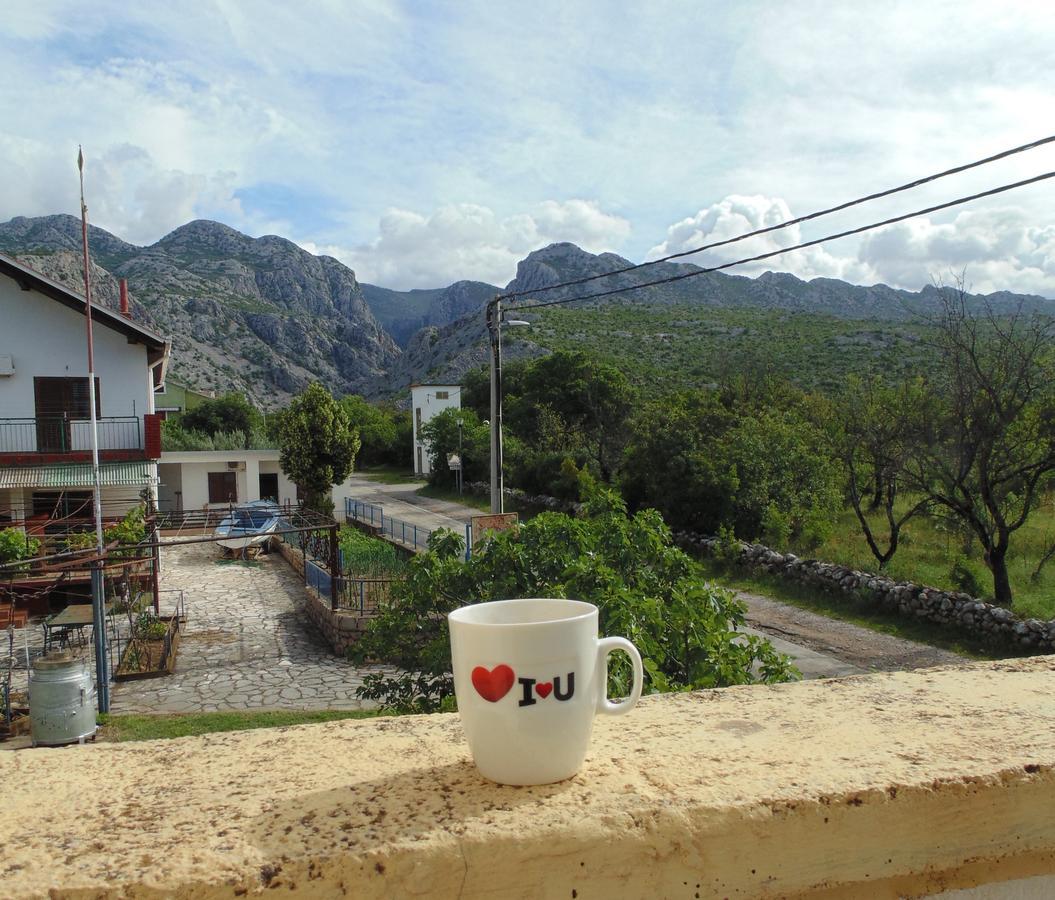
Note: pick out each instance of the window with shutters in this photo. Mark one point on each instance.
(223, 488)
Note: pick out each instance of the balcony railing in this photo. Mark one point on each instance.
(63, 436)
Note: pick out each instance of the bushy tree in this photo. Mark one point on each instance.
(984, 444)
(646, 589)
(317, 445)
(230, 412)
(871, 433)
(569, 401)
(764, 472)
(441, 432)
(377, 429)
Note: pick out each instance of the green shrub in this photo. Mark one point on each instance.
(131, 530)
(16, 545)
(644, 587)
(369, 557)
(81, 540)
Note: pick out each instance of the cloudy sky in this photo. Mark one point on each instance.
(424, 143)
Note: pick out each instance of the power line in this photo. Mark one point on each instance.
(813, 243)
(814, 215)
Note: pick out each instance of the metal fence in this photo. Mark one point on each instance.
(407, 533)
(364, 595)
(63, 434)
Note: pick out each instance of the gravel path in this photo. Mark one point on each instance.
(860, 647)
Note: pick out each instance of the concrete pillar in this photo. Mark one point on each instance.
(252, 479)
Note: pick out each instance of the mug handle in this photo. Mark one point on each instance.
(604, 647)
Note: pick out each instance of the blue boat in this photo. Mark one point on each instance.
(249, 525)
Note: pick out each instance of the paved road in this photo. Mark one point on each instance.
(245, 646)
(402, 502)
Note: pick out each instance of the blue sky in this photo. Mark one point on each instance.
(423, 143)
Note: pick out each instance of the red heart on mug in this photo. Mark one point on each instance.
(495, 684)
(543, 688)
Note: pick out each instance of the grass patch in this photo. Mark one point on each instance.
(929, 549)
(437, 492)
(390, 475)
(856, 612)
(148, 728)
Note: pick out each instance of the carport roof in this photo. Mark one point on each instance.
(74, 475)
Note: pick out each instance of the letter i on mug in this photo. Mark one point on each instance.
(529, 676)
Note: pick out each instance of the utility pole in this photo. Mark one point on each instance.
(461, 458)
(494, 325)
(102, 674)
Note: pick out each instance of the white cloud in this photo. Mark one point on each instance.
(468, 241)
(736, 215)
(997, 249)
(321, 122)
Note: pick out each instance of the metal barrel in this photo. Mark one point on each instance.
(61, 700)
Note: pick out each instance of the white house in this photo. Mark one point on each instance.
(210, 479)
(426, 401)
(45, 448)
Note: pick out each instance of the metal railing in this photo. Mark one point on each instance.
(407, 533)
(64, 434)
(364, 595)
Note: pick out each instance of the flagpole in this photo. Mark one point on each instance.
(102, 675)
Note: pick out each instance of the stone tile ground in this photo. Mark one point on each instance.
(244, 646)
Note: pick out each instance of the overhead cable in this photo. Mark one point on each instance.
(797, 221)
(813, 243)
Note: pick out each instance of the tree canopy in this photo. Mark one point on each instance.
(317, 444)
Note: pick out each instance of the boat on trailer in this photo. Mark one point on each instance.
(248, 526)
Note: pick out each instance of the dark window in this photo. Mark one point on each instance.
(442, 395)
(269, 486)
(417, 416)
(59, 504)
(223, 488)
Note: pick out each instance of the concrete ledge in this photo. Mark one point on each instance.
(887, 785)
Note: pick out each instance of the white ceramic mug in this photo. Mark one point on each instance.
(529, 676)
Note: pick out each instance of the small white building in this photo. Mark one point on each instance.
(210, 479)
(426, 400)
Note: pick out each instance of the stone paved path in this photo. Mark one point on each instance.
(244, 644)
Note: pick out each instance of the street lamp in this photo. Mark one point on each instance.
(461, 458)
(494, 326)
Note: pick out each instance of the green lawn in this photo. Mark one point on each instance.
(147, 728)
(928, 551)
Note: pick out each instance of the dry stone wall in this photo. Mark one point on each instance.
(953, 609)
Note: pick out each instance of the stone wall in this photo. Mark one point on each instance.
(952, 609)
(899, 784)
(538, 501)
(341, 628)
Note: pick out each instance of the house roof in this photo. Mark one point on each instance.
(29, 279)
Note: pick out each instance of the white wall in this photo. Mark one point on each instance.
(423, 397)
(45, 338)
(188, 471)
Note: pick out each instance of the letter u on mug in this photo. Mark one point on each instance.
(529, 676)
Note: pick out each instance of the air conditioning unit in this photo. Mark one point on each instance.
(237, 466)
(7, 364)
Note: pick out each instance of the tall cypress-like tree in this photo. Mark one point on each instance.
(318, 445)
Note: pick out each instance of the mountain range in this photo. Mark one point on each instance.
(265, 317)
